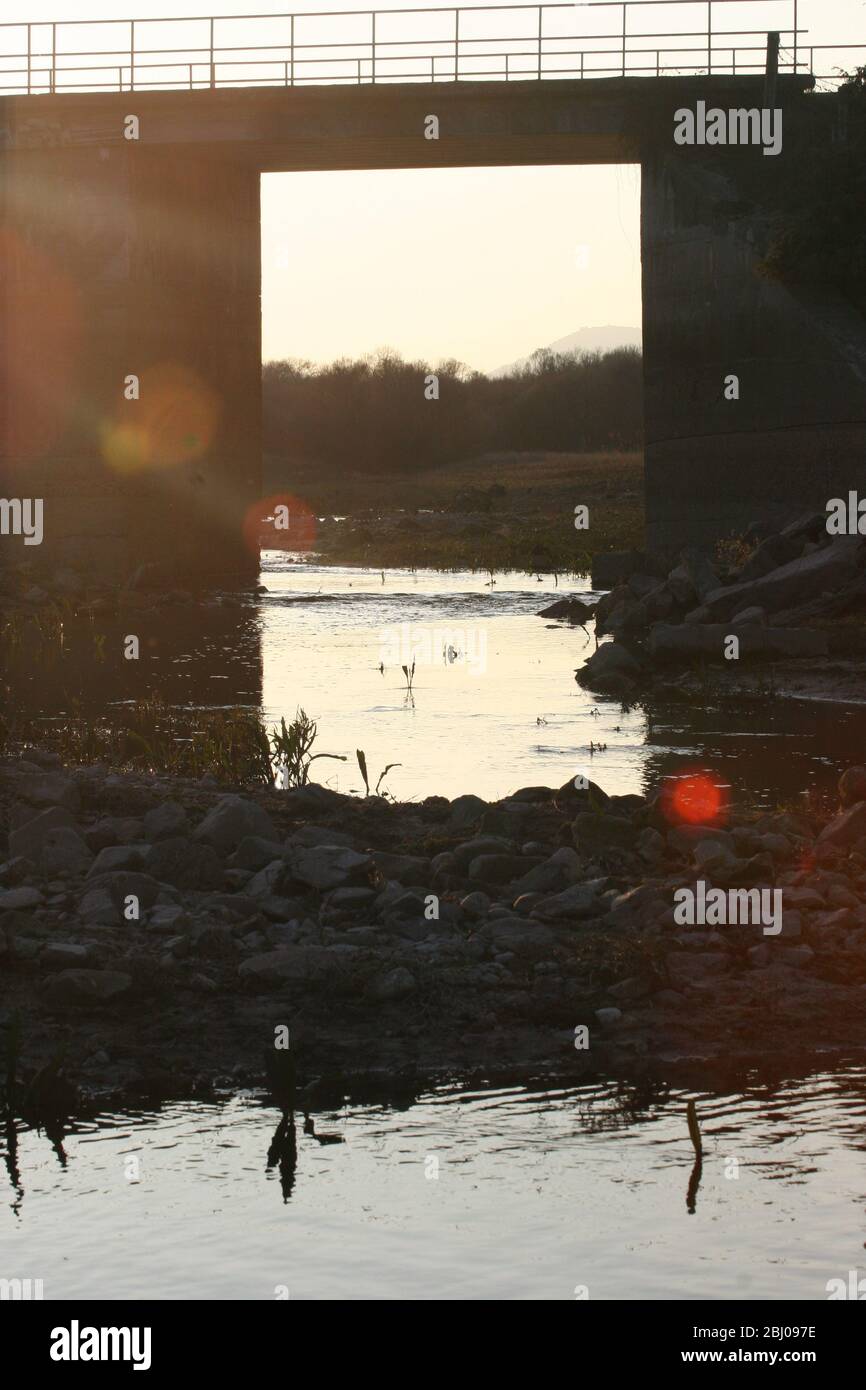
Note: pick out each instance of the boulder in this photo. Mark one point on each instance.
(50, 789)
(773, 552)
(693, 967)
(523, 937)
(310, 835)
(255, 853)
(852, 788)
(297, 964)
(700, 573)
(117, 857)
(184, 863)
(572, 610)
(749, 616)
(596, 831)
(578, 902)
(684, 838)
(692, 639)
(791, 583)
(166, 822)
(396, 984)
(611, 660)
(846, 829)
(85, 987)
(405, 868)
(466, 811)
(64, 851)
(20, 899)
(330, 866)
(62, 955)
(231, 820)
(501, 868)
(29, 838)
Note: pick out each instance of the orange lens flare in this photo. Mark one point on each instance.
(280, 522)
(173, 422)
(693, 799)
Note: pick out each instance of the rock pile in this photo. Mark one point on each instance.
(142, 918)
(790, 582)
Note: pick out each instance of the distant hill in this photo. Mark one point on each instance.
(585, 340)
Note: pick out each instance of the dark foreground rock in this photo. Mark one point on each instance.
(446, 934)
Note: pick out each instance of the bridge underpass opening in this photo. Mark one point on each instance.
(432, 288)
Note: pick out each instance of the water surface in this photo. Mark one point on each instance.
(493, 705)
(508, 1193)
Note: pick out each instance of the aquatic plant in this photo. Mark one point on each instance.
(362, 763)
(291, 746)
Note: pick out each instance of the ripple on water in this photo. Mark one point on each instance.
(504, 1193)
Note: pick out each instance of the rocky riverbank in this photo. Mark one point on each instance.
(787, 618)
(157, 932)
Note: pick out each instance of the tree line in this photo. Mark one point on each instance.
(380, 414)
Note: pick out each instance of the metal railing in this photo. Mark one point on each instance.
(376, 46)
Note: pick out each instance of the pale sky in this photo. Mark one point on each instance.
(479, 264)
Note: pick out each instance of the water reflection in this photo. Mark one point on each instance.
(325, 639)
(507, 1191)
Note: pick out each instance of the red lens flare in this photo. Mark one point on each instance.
(280, 522)
(695, 798)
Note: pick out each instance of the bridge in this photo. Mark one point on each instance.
(130, 158)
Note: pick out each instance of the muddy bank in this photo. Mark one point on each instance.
(157, 932)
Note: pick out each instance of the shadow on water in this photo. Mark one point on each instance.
(44, 1103)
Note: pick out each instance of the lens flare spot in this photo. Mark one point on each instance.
(173, 422)
(695, 798)
(280, 522)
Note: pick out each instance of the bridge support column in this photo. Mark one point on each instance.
(794, 434)
(130, 370)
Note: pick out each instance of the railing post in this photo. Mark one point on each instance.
(795, 35)
(373, 46)
(540, 20)
(657, 62)
(292, 45)
(53, 56)
(212, 72)
(771, 71)
(624, 8)
(709, 36)
(132, 55)
(506, 67)
(456, 44)
(28, 60)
